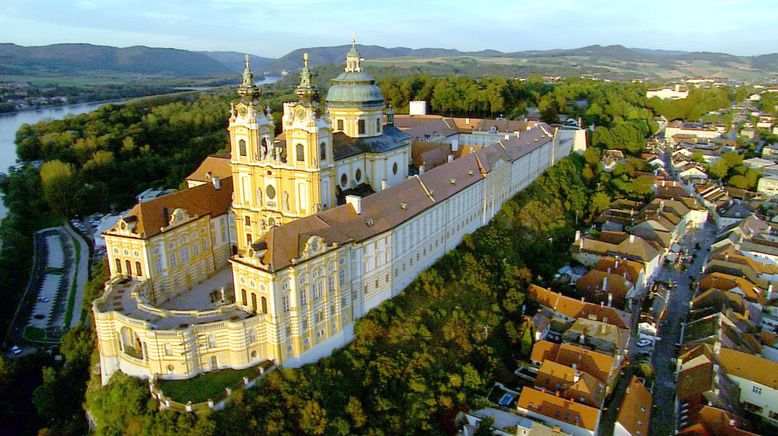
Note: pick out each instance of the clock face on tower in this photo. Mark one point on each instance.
(242, 111)
(300, 114)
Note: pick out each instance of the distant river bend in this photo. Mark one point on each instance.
(10, 123)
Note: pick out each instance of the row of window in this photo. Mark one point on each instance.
(299, 151)
(128, 268)
(245, 303)
(361, 126)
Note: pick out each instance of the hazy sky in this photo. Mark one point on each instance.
(273, 28)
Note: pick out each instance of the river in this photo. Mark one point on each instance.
(10, 123)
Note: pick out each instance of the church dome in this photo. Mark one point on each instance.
(354, 87)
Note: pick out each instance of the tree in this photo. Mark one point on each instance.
(600, 202)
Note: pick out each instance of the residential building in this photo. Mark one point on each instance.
(572, 417)
(768, 185)
(507, 424)
(588, 250)
(599, 336)
(758, 381)
(674, 92)
(635, 412)
(556, 305)
(603, 367)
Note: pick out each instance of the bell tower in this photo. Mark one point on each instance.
(308, 135)
(251, 142)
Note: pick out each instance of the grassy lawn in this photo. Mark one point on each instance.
(34, 334)
(209, 385)
(73, 283)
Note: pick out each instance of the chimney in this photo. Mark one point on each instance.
(609, 270)
(384, 184)
(450, 158)
(356, 202)
(576, 377)
(217, 184)
(573, 365)
(421, 169)
(617, 264)
(207, 175)
(577, 235)
(605, 283)
(582, 339)
(769, 292)
(610, 300)
(631, 239)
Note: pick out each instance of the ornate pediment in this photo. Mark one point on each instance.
(125, 226)
(177, 217)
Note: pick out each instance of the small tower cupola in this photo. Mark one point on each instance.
(248, 89)
(353, 60)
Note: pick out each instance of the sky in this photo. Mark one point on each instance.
(274, 28)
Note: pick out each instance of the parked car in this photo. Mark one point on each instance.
(643, 343)
(16, 350)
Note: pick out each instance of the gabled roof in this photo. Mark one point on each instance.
(745, 365)
(598, 285)
(212, 166)
(620, 266)
(559, 408)
(150, 217)
(629, 246)
(728, 282)
(712, 421)
(573, 308)
(599, 365)
(572, 384)
(391, 207)
(635, 411)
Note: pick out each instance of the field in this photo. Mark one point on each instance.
(610, 68)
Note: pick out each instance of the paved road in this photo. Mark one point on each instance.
(663, 417)
(82, 274)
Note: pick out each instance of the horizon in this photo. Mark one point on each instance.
(390, 47)
(273, 30)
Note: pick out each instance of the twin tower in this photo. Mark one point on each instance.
(322, 154)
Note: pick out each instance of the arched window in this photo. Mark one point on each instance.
(254, 302)
(242, 147)
(243, 297)
(300, 153)
(128, 264)
(118, 266)
(264, 305)
(137, 269)
(322, 151)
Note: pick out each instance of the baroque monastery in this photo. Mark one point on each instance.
(266, 256)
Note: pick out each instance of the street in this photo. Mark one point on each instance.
(663, 416)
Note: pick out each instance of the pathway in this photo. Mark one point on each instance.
(82, 274)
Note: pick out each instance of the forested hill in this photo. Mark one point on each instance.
(86, 59)
(612, 61)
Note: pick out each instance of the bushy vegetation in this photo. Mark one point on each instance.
(700, 102)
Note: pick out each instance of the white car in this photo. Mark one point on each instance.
(16, 350)
(643, 343)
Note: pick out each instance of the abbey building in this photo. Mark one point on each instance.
(273, 252)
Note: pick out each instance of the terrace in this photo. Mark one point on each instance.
(209, 301)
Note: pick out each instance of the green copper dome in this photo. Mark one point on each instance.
(354, 87)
